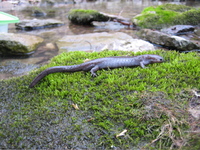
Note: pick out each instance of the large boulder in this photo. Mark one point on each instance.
(18, 44)
(38, 24)
(166, 40)
(102, 41)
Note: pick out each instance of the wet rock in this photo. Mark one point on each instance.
(86, 17)
(166, 40)
(197, 32)
(179, 29)
(5, 6)
(102, 41)
(38, 13)
(50, 46)
(38, 24)
(18, 44)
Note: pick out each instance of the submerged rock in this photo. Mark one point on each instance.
(102, 41)
(179, 29)
(18, 44)
(38, 13)
(38, 24)
(166, 40)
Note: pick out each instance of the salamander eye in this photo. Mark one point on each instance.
(161, 59)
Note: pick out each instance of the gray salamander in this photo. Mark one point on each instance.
(102, 63)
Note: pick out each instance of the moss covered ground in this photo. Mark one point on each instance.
(157, 17)
(77, 111)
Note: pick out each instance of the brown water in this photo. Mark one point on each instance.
(125, 8)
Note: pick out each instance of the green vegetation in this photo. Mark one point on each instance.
(85, 17)
(157, 17)
(152, 104)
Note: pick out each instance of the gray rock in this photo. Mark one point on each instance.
(5, 6)
(102, 41)
(38, 24)
(197, 32)
(179, 29)
(18, 44)
(173, 42)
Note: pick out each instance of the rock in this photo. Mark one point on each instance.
(179, 29)
(18, 44)
(197, 32)
(85, 17)
(38, 13)
(102, 41)
(173, 42)
(38, 24)
(5, 6)
(50, 46)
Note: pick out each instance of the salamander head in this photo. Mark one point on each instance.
(153, 59)
(157, 59)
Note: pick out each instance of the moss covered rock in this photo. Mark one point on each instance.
(157, 17)
(18, 44)
(85, 17)
(151, 104)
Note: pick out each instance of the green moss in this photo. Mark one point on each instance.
(176, 8)
(168, 14)
(143, 101)
(85, 17)
(191, 17)
(13, 48)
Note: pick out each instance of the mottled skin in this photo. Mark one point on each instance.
(102, 63)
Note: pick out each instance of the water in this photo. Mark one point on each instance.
(124, 8)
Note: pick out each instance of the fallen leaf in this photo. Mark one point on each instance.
(75, 106)
(122, 133)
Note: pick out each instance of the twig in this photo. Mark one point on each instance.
(195, 93)
(90, 44)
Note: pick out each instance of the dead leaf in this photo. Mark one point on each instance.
(122, 133)
(75, 106)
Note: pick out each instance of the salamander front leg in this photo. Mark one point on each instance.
(93, 70)
(142, 64)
